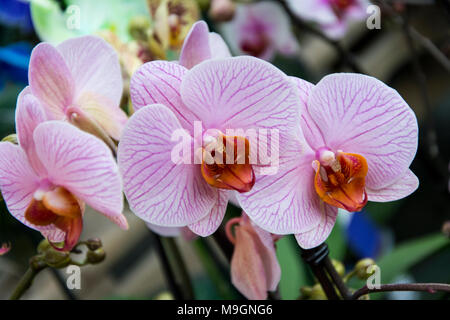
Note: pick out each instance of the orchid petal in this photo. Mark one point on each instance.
(318, 11)
(83, 165)
(165, 231)
(218, 47)
(269, 258)
(401, 188)
(29, 114)
(360, 114)
(18, 182)
(50, 80)
(196, 45)
(248, 272)
(286, 202)
(95, 67)
(160, 191)
(311, 132)
(112, 120)
(159, 82)
(242, 93)
(209, 224)
(319, 234)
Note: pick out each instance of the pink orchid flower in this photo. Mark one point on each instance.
(4, 249)
(56, 168)
(261, 30)
(254, 266)
(333, 16)
(80, 81)
(359, 139)
(221, 94)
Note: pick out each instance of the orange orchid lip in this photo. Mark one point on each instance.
(60, 208)
(222, 171)
(341, 182)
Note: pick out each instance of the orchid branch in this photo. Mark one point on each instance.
(346, 56)
(424, 287)
(27, 280)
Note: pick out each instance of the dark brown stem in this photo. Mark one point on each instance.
(315, 258)
(424, 287)
(337, 279)
(346, 56)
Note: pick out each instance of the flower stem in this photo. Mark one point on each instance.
(173, 268)
(337, 279)
(315, 258)
(425, 287)
(25, 282)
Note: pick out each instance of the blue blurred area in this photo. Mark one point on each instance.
(16, 13)
(364, 237)
(14, 61)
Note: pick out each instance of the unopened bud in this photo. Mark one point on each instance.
(339, 266)
(94, 244)
(222, 10)
(43, 246)
(139, 27)
(361, 268)
(96, 256)
(11, 138)
(317, 293)
(56, 259)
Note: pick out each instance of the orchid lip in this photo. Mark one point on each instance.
(225, 171)
(59, 207)
(340, 179)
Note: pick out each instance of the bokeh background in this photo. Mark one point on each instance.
(404, 237)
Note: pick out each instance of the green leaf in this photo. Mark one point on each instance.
(294, 273)
(408, 254)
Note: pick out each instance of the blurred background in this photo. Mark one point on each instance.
(410, 52)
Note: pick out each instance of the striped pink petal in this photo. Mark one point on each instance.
(83, 165)
(360, 114)
(319, 234)
(404, 186)
(209, 224)
(160, 191)
(51, 80)
(29, 114)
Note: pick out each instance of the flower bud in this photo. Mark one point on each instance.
(222, 10)
(317, 293)
(339, 266)
(96, 256)
(94, 244)
(139, 27)
(43, 246)
(361, 268)
(11, 138)
(56, 259)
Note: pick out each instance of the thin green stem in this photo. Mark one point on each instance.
(25, 282)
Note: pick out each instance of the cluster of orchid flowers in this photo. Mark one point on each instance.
(347, 140)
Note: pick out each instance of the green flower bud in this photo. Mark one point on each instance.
(96, 256)
(11, 138)
(57, 259)
(139, 27)
(361, 268)
(317, 293)
(339, 266)
(94, 244)
(43, 246)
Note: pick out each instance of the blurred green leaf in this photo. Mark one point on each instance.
(407, 254)
(294, 273)
(337, 243)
